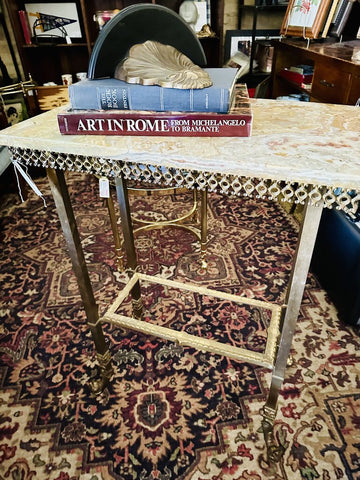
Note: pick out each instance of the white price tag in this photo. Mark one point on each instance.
(104, 187)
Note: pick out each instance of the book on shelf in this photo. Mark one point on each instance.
(340, 17)
(329, 19)
(114, 94)
(302, 68)
(302, 74)
(24, 20)
(236, 123)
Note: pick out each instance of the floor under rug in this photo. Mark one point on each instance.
(171, 412)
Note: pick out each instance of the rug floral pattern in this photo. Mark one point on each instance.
(171, 412)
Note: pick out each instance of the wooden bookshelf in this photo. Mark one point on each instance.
(46, 63)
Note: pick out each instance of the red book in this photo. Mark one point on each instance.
(236, 123)
(296, 77)
(25, 26)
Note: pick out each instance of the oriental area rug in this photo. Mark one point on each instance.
(170, 412)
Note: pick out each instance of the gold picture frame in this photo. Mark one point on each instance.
(305, 18)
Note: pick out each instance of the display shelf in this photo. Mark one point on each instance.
(46, 63)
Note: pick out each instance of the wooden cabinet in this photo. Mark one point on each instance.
(336, 76)
(46, 63)
(330, 84)
(354, 94)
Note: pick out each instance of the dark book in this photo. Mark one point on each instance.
(340, 17)
(236, 123)
(330, 17)
(114, 94)
(352, 24)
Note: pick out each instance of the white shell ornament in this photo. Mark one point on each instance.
(152, 63)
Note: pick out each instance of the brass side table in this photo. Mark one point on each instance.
(303, 152)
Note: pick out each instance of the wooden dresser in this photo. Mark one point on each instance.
(336, 74)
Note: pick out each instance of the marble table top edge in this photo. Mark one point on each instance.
(324, 150)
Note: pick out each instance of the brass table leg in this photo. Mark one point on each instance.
(203, 227)
(115, 231)
(71, 234)
(127, 228)
(305, 246)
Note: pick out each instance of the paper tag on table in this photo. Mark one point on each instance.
(104, 187)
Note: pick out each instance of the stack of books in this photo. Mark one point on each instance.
(113, 107)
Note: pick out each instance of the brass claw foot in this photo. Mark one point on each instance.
(138, 308)
(98, 386)
(106, 372)
(290, 361)
(204, 264)
(203, 256)
(274, 451)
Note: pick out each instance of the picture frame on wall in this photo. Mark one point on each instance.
(54, 19)
(305, 18)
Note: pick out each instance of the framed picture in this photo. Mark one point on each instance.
(48, 19)
(15, 110)
(241, 41)
(304, 18)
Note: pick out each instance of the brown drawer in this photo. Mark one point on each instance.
(330, 84)
(354, 94)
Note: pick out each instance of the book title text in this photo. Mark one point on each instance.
(156, 125)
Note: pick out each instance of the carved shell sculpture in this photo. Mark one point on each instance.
(152, 63)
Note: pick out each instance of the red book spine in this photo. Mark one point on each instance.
(25, 26)
(296, 77)
(135, 123)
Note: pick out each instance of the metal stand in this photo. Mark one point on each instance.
(282, 324)
(178, 222)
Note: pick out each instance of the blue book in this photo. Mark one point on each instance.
(113, 94)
